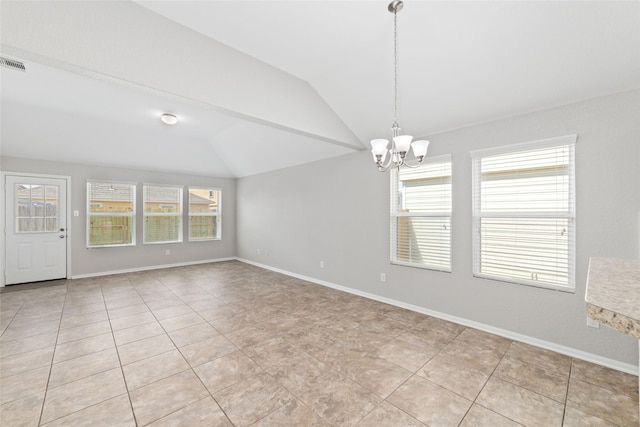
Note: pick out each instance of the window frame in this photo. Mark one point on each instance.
(178, 214)
(395, 214)
(217, 215)
(569, 215)
(89, 213)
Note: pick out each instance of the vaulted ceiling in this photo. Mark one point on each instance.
(263, 85)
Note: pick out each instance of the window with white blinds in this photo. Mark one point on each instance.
(111, 214)
(162, 213)
(421, 215)
(524, 213)
(204, 213)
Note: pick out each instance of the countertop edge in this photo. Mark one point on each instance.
(614, 320)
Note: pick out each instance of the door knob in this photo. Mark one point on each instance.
(62, 236)
(62, 229)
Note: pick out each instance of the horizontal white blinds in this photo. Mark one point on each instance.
(524, 212)
(421, 215)
(105, 197)
(534, 249)
(423, 241)
(111, 209)
(162, 199)
(162, 213)
(204, 213)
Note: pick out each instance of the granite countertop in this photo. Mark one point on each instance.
(613, 294)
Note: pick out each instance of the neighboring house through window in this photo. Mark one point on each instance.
(162, 213)
(204, 214)
(111, 213)
(37, 208)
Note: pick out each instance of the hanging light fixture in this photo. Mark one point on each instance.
(396, 155)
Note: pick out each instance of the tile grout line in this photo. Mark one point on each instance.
(102, 401)
(485, 385)
(509, 381)
(414, 373)
(295, 395)
(383, 400)
(566, 396)
(165, 332)
(53, 355)
(264, 371)
(191, 368)
(12, 318)
(436, 384)
(583, 409)
(124, 379)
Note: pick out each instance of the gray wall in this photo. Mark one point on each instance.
(337, 211)
(97, 260)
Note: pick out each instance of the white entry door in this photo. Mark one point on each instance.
(36, 229)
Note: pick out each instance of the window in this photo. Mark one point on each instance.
(204, 214)
(162, 213)
(421, 215)
(36, 208)
(524, 213)
(111, 213)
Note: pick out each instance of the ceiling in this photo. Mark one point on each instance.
(460, 63)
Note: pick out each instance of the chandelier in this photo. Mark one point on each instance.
(396, 155)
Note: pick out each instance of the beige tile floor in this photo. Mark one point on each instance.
(231, 344)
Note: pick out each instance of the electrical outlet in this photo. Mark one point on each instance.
(592, 323)
(76, 213)
(321, 264)
(258, 251)
(167, 252)
(383, 277)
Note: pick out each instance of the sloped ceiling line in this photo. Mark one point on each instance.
(124, 44)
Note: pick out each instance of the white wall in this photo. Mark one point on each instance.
(99, 260)
(337, 211)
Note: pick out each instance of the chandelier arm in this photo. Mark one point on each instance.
(384, 166)
(409, 165)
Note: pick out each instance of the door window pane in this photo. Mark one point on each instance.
(36, 208)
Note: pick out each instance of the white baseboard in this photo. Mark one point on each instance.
(151, 267)
(568, 351)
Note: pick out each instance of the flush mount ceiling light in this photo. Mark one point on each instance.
(396, 155)
(169, 119)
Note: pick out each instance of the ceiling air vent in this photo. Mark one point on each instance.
(11, 63)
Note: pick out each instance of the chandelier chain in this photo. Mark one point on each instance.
(395, 65)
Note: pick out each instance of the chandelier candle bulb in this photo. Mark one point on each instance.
(403, 143)
(379, 147)
(420, 149)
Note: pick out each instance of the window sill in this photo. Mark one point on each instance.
(531, 283)
(422, 266)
